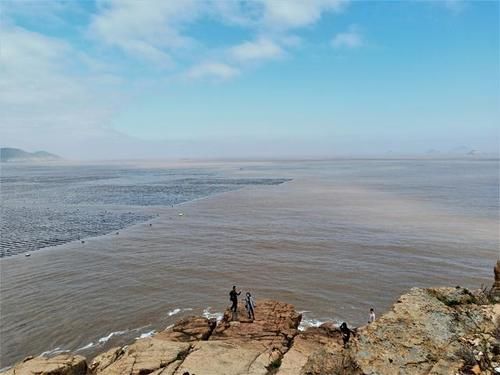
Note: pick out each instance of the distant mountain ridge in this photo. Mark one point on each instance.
(8, 154)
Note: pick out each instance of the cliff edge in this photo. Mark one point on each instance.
(427, 331)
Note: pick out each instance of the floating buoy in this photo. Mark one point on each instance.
(83, 241)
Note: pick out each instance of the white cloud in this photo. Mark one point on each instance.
(42, 99)
(260, 49)
(348, 39)
(154, 30)
(288, 14)
(212, 70)
(145, 29)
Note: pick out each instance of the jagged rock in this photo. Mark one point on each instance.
(434, 331)
(242, 346)
(275, 325)
(143, 357)
(314, 351)
(421, 334)
(105, 359)
(191, 328)
(495, 290)
(227, 358)
(63, 364)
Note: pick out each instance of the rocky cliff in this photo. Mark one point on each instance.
(427, 331)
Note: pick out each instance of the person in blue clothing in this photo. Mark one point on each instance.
(250, 306)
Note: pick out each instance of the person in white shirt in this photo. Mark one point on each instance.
(371, 319)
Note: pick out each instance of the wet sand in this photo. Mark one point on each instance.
(330, 248)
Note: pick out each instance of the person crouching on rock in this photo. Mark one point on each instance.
(250, 306)
(233, 297)
(346, 334)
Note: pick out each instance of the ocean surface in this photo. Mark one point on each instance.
(121, 250)
(44, 205)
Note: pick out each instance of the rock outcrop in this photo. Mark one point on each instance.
(63, 364)
(427, 331)
(495, 289)
(243, 346)
(314, 351)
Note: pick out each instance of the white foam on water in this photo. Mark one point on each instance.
(174, 312)
(212, 315)
(53, 352)
(308, 322)
(88, 346)
(146, 334)
(178, 310)
(105, 339)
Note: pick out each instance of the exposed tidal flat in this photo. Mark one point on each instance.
(334, 240)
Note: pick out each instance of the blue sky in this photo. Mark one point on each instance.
(263, 78)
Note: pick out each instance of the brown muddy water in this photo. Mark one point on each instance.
(335, 239)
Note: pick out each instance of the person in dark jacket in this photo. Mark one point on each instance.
(233, 297)
(346, 334)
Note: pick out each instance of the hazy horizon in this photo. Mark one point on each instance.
(263, 79)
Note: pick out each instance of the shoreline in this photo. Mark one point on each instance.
(310, 242)
(468, 321)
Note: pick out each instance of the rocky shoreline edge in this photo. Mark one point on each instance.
(427, 331)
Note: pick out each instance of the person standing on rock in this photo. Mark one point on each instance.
(371, 318)
(233, 297)
(346, 334)
(250, 306)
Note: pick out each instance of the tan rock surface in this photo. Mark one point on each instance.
(495, 290)
(143, 357)
(63, 364)
(242, 346)
(275, 325)
(315, 351)
(191, 328)
(235, 347)
(423, 333)
(435, 331)
(227, 358)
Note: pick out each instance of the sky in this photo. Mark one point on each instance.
(112, 79)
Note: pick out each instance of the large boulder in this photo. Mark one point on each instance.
(275, 325)
(427, 331)
(145, 356)
(191, 328)
(228, 358)
(244, 346)
(63, 364)
(315, 351)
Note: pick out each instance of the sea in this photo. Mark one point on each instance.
(94, 255)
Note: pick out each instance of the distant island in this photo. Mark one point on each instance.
(8, 154)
